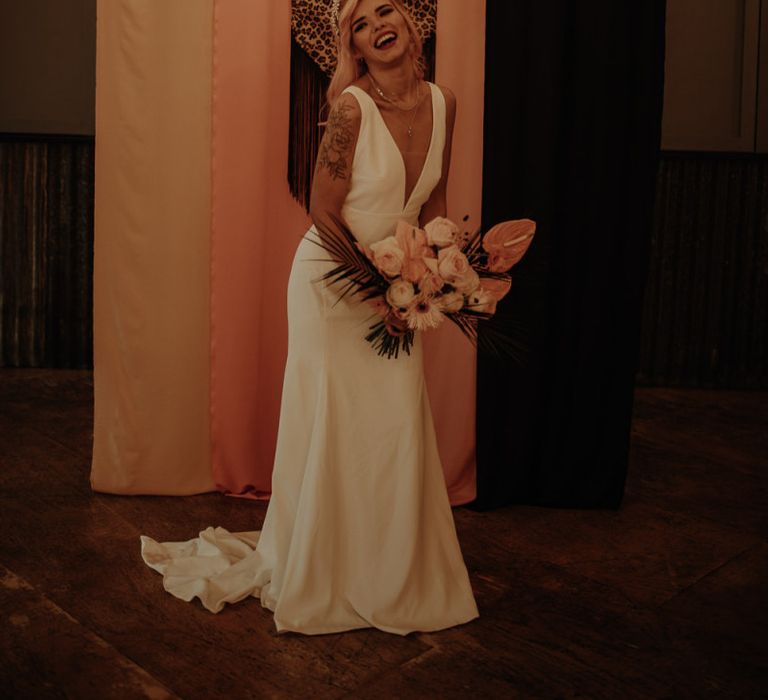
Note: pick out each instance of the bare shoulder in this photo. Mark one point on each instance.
(334, 159)
(450, 106)
(346, 108)
(450, 98)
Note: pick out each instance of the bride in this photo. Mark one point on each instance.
(359, 530)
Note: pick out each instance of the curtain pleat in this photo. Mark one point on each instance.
(151, 258)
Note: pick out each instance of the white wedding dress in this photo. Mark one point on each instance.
(359, 531)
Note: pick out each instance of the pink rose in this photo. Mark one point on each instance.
(507, 242)
(467, 282)
(451, 261)
(388, 256)
(455, 269)
(441, 232)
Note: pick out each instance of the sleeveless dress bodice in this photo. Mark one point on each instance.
(376, 198)
(359, 530)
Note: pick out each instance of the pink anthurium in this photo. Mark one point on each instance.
(413, 242)
(497, 288)
(507, 242)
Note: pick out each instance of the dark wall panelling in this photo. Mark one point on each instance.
(46, 251)
(705, 318)
(706, 302)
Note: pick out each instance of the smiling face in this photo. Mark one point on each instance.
(379, 33)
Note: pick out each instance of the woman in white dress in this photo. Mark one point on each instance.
(359, 530)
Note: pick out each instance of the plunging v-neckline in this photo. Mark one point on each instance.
(407, 196)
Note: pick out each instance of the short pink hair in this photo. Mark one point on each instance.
(348, 69)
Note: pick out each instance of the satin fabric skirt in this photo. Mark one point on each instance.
(359, 530)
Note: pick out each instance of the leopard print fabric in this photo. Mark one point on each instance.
(312, 27)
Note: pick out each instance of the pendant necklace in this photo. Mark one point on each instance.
(413, 109)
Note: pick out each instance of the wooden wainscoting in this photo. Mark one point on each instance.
(705, 320)
(46, 251)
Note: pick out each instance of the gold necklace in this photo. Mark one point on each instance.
(390, 100)
(414, 110)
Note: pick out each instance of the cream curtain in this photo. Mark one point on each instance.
(151, 258)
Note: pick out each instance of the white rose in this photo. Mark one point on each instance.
(441, 232)
(400, 293)
(451, 302)
(388, 256)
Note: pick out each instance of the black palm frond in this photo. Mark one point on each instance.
(502, 336)
(353, 269)
(494, 336)
(386, 344)
(472, 248)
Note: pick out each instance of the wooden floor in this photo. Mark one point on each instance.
(665, 598)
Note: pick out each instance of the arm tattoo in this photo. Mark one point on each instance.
(337, 143)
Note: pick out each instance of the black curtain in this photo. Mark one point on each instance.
(572, 130)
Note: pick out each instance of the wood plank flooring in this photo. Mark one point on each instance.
(664, 598)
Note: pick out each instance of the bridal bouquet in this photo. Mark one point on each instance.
(416, 278)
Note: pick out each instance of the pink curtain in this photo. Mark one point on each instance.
(256, 226)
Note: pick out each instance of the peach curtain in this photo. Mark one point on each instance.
(151, 259)
(450, 361)
(256, 227)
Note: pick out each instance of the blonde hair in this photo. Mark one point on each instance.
(348, 69)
